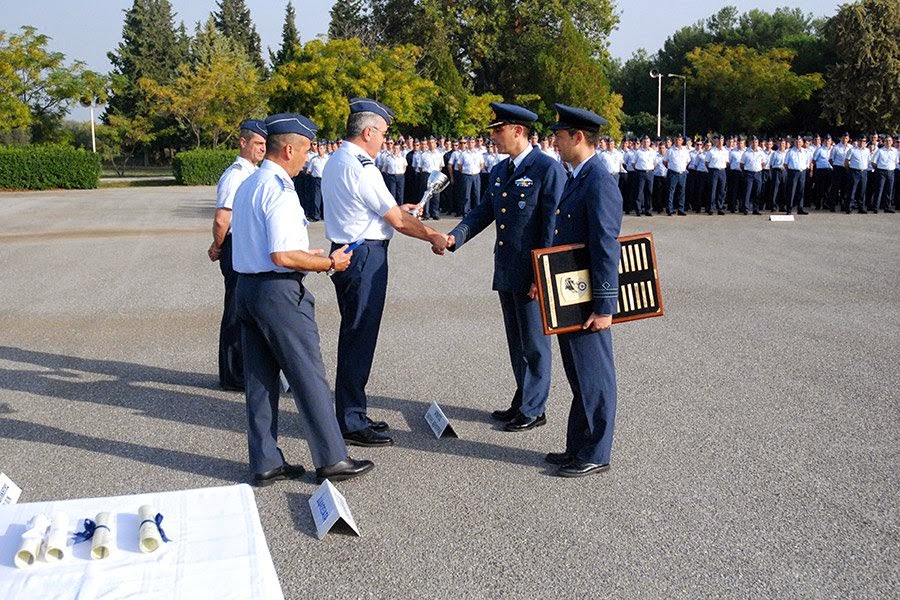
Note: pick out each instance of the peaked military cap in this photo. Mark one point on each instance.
(254, 125)
(569, 117)
(291, 123)
(512, 114)
(358, 105)
(861, 136)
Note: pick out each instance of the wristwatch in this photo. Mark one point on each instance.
(331, 271)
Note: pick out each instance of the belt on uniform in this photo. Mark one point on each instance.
(295, 275)
(382, 243)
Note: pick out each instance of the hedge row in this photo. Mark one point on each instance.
(48, 167)
(201, 167)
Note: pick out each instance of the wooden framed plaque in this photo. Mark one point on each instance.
(563, 281)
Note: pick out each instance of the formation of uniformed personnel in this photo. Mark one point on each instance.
(590, 213)
(359, 208)
(521, 201)
(277, 312)
(252, 143)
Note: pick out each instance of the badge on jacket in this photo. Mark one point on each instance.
(524, 182)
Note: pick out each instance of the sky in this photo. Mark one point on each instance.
(87, 29)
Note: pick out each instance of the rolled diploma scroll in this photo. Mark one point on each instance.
(101, 543)
(55, 548)
(32, 539)
(150, 538)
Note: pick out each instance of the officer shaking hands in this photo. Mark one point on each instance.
(360, 209)
(521, 198)
(277, 313)
(590, 213)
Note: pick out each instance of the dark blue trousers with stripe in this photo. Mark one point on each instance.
(361, 292)
(529, 352)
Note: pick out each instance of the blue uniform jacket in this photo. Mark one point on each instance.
(590, 212)
(523, 208)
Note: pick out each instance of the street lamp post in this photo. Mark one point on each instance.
(658, 76)
(684, 109)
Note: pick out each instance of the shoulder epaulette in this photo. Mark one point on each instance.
(364, 160)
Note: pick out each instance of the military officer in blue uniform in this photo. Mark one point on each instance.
(277, 313)
(590, 213)
(359, 208)
(521, 198)
(252, 142)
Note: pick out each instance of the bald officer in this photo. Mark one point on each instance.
(359, 208)
(277, 313)
(252, 142)
(590, 213)
(521, 198)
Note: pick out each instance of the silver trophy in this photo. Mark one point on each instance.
(437, 181)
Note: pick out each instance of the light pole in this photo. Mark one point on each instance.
(684, 109)
(658, 76)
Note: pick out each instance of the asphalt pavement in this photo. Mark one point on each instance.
(757, 435)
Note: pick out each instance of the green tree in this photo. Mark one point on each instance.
(324, 75)
(350, 19)
(233, 21)
(290, 39)
(151, 48)
(769, 88)
(633, 82)
(217, 89)
(37, 88)
(864, 85)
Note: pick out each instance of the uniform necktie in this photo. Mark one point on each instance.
(510, 168)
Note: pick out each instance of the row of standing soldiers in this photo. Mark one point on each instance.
(673, 175)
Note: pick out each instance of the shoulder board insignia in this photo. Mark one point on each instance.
(364, 160)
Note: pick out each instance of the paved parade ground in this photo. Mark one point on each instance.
(757, 437)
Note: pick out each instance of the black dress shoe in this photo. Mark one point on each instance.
(367, 437)
(231, 387)
(756, 212)
(285, 471)
(802, 212)
(648, 214)
(721, 212)
(343, 470)
(505, 415)
(523, 423)
(559, 458)
(681, 213)
(889, 210)
(580, 469)
(376, 425)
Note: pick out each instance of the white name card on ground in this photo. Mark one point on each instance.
(9, 491)
(438, 422)
(781, 217)
(328, 506)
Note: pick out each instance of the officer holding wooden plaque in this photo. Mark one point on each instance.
(590, 213)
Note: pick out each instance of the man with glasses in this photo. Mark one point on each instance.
(359, 208)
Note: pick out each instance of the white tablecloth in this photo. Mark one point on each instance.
(218, 550)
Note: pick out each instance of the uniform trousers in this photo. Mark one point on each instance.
(856, 198)
(716, 190)
(530, 354)
(884, 189)
(676, 185)
(660, 192)
(361, 292)
(588, 361)
(838, 187)
(765, 193)
(315, 198)
(824, 182)
(625, 190)
(732, 188)
(396, 185)
(753, 191)
(231, 360)
(776, 188)
(278, 327)
(433, 207)
(794, 187)
(643, 191)
(469, 192)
